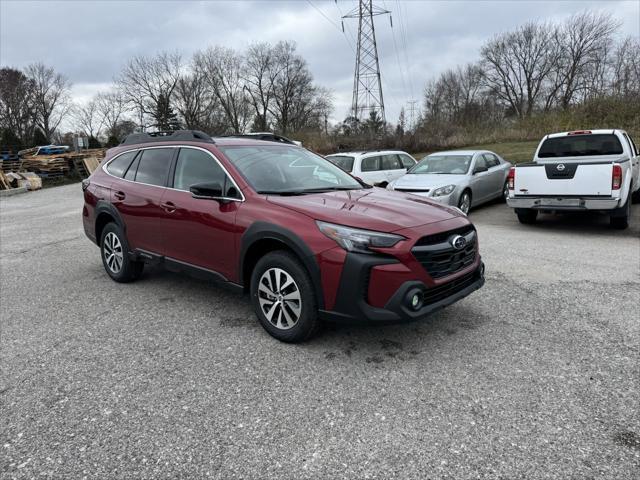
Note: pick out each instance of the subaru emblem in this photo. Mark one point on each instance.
(458, 242)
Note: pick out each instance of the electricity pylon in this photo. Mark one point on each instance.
(367, 86)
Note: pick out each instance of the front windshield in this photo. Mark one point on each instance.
(345, 162)
(444, 164)
(285, 169)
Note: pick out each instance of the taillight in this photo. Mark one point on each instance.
(616, 177)
(85, 184)
(511, 178)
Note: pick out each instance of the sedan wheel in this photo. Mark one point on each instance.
(113, 253)
(279, 298)
(465, 202)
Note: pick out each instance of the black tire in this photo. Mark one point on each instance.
(505, 192)
(635, 197)
(129, 270)
(619, 218)
(527, 216)
(461, 201)
(307, 323)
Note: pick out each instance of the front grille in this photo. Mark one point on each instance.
(439, 258)
(444, 236)
(433, 295)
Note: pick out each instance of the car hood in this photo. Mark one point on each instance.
(430, 181)
(371, 209)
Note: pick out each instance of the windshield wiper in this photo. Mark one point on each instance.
(283, 193)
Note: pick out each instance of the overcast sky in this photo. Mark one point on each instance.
(89, 41)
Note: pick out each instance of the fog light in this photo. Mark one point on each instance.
(415, 299)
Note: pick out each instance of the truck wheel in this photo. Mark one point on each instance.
(635, 197)
(527, 215)
(114, 250)
(283, 297)
(619, 218)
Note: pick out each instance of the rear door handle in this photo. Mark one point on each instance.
(168, 206)
(119, 195)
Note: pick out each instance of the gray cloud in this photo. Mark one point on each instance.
(90, 41)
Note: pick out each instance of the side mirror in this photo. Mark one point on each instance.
(206, 191)
(480, 170)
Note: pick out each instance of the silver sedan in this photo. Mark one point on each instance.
(461, 178)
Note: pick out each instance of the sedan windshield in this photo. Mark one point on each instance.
(345, 162)
(287, 170)
(446, 164)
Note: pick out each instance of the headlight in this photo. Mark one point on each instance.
(439, 192)
(356, 240)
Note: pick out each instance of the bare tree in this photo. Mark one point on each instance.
(52, 98)
(224, 73)
(516, 65)
(261, 71)
(148, 83)
(626, 67)
(88, 118)
(585, 39)
(17, 103)
(111, 107)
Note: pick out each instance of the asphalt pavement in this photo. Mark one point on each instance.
(535, 376)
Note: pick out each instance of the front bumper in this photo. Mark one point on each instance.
(351, 304)
(564, 203)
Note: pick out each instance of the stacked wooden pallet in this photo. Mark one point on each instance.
(47, 166)
(9, 161)
(85, 163)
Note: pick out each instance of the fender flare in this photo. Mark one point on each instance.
(102, 206)
(265, 230)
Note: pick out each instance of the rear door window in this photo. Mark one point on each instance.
(154, 165)
(491, 159)
(121, 163)
(391, 162)
(345, 162)
(580, 146)
(407, 161)
(370, 164)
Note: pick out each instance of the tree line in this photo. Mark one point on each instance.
(218, 90)
(539, 76)
(537, 70)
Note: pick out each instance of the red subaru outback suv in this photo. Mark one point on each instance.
(308, 241)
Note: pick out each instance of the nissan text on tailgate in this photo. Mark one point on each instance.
(577, 171)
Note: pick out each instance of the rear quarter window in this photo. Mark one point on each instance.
(345, 162)
(580, 146)
(120, 164)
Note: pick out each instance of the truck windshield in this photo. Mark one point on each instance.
(287, 170)
(580, 146)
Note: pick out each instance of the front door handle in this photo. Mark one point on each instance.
(169, 207)
(119, 195)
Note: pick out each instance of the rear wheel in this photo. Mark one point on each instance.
(619, 218)
(505, 191)
(526, 215)
(114, 250)
(464, 203)
(283, 297)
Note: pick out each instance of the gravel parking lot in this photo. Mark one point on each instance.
(537, 375)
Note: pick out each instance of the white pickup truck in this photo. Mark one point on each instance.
(576, 171)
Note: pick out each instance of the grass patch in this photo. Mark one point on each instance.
(514, 152)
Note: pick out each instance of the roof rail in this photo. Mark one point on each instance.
(167, 136)
(266, 136)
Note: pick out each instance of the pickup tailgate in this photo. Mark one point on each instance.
(563, 179)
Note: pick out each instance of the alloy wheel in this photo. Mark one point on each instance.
(465, 203)
(279, 298)
(113, 253)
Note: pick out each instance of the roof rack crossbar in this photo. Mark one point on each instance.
(167, 136)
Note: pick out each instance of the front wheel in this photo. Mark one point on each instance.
(283, 297)
(464, 203)
(527, 215)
